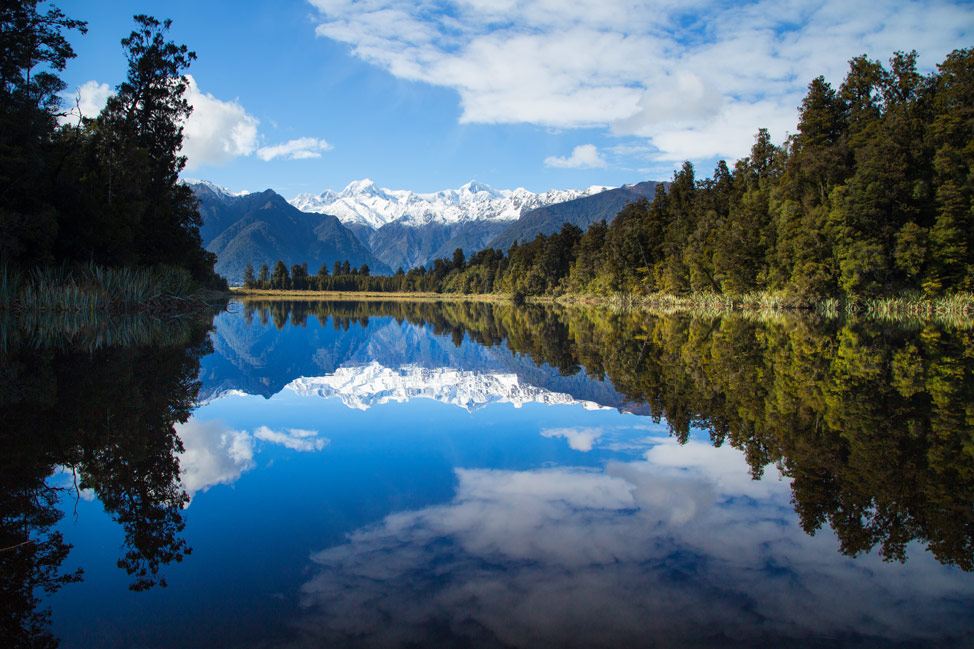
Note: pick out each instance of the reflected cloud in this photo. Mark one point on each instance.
(294, 439)
(579, 439)
(676, 553)
(212, 454)
(215, 454)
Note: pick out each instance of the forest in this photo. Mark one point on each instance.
(93, 192)
(873, 196)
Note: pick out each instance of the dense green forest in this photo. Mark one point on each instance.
(873, 196)
(101, 191)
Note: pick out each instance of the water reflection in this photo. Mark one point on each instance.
(390, 474)
(214, 454)
(874, 423)
(674, 550)
(103, 412)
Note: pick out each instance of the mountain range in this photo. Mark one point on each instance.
(406, 229)
(386, 360)
(388, 229)
(263, 227)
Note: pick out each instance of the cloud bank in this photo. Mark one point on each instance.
(697, 78)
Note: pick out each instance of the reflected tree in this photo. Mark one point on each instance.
(109, 415)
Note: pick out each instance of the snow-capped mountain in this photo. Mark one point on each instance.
(214, 190)
(362, 203)
(364, 386)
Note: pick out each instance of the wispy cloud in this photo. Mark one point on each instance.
(294, 438)
(697, 78)
(299, 149)
(584, 156)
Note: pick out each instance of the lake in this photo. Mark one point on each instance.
(391, 474)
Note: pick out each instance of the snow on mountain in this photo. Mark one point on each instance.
(364, 386)
(218, 191)
(363, 203)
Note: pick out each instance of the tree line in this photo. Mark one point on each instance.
(872, 196)
(102, 189)
(343, 277)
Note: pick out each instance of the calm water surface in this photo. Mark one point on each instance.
(392, 475)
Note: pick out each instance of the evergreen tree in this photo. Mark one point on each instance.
(280, 280)
(249, 280)
(33, 50)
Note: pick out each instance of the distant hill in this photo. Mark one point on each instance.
(263, 227)
(582, 212)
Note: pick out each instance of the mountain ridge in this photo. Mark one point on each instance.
(362, 202)
(262, 227)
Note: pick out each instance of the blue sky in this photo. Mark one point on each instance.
(308, 95)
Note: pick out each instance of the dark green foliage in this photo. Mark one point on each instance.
(106, 189)
(108, 413)
(248, 277)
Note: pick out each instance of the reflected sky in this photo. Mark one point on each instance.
(385, 487)
(675, 551)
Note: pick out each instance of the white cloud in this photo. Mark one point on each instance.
(677, 73)
(87, 101)
(294, 439)
(584, 156)
(216, 131)
(212, 454)
(215, 454)
(668, 548)
(579, 439)
(299, 149)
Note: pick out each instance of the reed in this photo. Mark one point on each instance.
(94, 288)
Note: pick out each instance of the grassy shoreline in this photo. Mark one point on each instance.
(108, 291)
(958, 308)
(95, 307)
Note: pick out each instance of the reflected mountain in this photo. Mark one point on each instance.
(364, 360)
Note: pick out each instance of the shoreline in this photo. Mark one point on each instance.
(958, 308)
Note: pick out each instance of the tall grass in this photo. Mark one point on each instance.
(92, 306)
(95, 288)
(956, 310)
